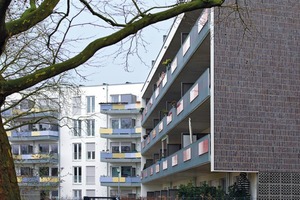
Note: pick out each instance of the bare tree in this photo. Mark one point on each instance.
(39, 30)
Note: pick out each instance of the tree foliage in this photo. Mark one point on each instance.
(205, 192)
(35, 43)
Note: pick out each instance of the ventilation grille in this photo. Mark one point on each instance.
(281, 186)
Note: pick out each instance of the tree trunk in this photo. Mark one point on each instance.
(9, 189)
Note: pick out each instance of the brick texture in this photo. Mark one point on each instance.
(257, 86)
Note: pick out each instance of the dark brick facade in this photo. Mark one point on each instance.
(257, 87)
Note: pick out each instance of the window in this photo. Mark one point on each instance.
(26, 171)
(44, 171)
(127, 123)
(77, 151)
(126, 148)
(90, 175)
(76, 103)
(54, 171)
(77, 127)
(124, 98)
(54, 194)
(115, 123)
(47, 171)
(90, 148)
(77, 174)
(77, 195)
(114, 98)
(90, 127)
(122, 123)
(53, 148)
(43, 148)
(15, 149)
(128, 98)
(90, 102)
(26, 149)
(114, 147)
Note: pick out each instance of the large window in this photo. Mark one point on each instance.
(26, 149)
(115, 147)
(44, 148)
(26, 171)
(77, 127)
(90, 149)
(53, 148)
(122, 147)
(15, 149)
(122, 123)
(77, 173)
(127, 123)
(124, 98)
(48, 171)
(44, 171)
(77, 151)
(90, 102)
(90, 127)
(90, 175)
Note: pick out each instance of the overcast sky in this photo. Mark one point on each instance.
(104, 69)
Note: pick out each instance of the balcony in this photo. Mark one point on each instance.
(122, 181)
(36, 158)
(120, 133)
(120, 108)
(192, 156)
(120, 157)
(33, 135)
(195, 98)
(38, 181)
(197, 40)
(31, 113)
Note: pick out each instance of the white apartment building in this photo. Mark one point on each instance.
(33, 131)
(100, 142)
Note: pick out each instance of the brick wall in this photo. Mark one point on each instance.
(257, 87)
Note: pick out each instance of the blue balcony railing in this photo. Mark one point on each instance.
(120, 133)
(33, 135)
(120, 157)
(197, 35)
(193, 155)
(121, 181)
(111, 108)
(196, 96)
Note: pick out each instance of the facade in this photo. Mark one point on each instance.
(34, 144)
(100, 147)
(227, 104)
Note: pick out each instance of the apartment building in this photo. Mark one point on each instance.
(227, 103)
(34, 141)
(100, 146)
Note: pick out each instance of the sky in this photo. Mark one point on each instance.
(112, 72)
(103, 68)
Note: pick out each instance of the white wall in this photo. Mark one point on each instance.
(102, 94)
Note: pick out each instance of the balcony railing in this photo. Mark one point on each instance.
(197, 94)
(38, 181)
(119, 108)
(122, 181)
(193, 155)
(36, 158)
(120, 157)
(197, 34)
(120, 133)
(33, 135)
(29, 113)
